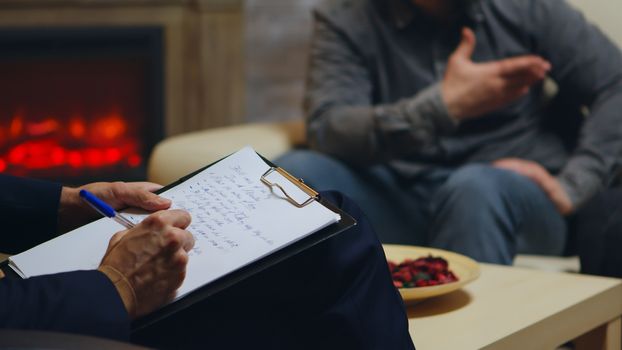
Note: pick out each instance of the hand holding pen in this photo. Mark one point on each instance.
(154, 252)
(75, 212)
(105, 209)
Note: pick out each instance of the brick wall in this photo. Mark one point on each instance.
(277, 37)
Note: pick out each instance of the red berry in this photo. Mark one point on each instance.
(421, 272)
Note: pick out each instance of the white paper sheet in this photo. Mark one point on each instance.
(236, 220)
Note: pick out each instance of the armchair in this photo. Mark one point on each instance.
(271, 140)
(180, 155)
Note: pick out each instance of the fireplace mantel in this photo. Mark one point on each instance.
(203, 45)
(211, 4)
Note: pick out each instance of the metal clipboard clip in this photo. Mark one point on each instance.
(313, 195)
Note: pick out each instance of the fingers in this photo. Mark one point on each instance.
(522, 79)
(152, 258)
(176, 239)
(526, 168)
(171, 224)
(147, 186)
(518, 74)
(115, 239)
(175, 217)
(515, 76)
(508, 93)
(521, 66)
(167, 227)
(188, 240)
(548, 183)
(562, 201)
(133, 194)
(467, 44)
(140, 195)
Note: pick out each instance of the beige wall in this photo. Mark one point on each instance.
(606, 14)
(277, 36)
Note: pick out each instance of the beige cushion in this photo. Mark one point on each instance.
(180, 155)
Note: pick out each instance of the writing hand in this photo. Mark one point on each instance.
(547, 182)
(74, 212)
(147, 263)
(472, 89)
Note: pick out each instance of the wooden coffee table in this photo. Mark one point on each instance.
(516, 308)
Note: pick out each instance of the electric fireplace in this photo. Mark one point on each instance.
(80, 104)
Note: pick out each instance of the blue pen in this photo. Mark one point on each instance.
(105, 209)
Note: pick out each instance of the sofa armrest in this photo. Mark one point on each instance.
(177, 156)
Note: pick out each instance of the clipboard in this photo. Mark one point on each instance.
(272, 259)
(255, 267)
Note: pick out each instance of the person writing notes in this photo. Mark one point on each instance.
(146, 264)
(337, 294)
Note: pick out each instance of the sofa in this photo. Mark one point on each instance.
(181, 154)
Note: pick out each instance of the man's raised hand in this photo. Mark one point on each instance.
(472, 89)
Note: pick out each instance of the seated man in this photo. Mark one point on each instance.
(338, 294)
(430, 114)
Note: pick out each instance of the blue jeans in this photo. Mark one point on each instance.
(486, 213)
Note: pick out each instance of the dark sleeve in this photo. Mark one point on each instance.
(83, 302)
(587, 66)
(343, 120)
(28, 211)
(599, 234)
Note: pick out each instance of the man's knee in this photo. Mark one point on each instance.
(307, 159)
(316, 169)
(484, 184)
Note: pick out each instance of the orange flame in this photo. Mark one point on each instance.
(77, 129)
(16, 126)
(102, 142)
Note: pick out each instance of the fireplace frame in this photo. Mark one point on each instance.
(75, 43)
(202, 43)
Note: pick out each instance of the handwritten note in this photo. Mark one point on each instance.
(236, 220)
